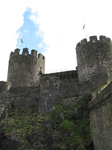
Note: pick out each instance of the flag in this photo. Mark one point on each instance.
(83, 27)
(21, 40)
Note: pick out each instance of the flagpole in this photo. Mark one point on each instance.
(86, 35)
(19, 41)
(84, 27)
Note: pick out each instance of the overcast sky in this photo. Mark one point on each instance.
(52, 27)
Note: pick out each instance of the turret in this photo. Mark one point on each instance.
(25, 69)
(94, 61)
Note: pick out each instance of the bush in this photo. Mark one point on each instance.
(56, 135)
(67, 126)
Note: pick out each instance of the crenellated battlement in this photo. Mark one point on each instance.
(41, 56)
(17, 50)
(93, 40)
(25, 52)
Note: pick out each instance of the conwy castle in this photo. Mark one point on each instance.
(28, 86)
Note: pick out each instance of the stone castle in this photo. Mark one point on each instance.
(28, 86)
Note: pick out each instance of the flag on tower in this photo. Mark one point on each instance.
(21, 40)
(83, 27)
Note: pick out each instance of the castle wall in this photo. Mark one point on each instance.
(55, 87)
(25, 97)
(20, 98)
(101, 119)
(3, 86)
(25, 69)
(94, 59)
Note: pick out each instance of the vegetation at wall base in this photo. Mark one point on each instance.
(64, 128)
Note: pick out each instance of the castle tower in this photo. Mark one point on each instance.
(94, 61)
(25, 69)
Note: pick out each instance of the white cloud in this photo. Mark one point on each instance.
(62, 22)
(41, 45)
(26, 31)
(57, 23)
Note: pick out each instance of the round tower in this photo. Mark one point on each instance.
(25, 69)
(94, 61)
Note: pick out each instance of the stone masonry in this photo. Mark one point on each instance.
(101, 119)
(29, 87)
(25, 69)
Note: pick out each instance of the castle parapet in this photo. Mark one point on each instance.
(17, 50)
(84, 41)
(93, 39)
(103, 38)
(34, 53)
(25, 52)
(41, 56)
